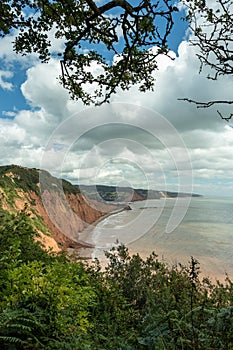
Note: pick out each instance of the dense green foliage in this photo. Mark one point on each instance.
(50, 302)
(31, 179)
(24, 178)
(93, 32)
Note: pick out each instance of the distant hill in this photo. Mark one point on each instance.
(59, 210)
(127, 194)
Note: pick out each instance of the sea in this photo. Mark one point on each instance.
(176, 230)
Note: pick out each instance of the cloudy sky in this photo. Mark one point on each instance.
(149, 140)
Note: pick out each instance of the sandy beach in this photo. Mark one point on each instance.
(203, 234)
(86, 235)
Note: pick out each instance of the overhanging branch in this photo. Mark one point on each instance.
(205, 104)
(210, 104)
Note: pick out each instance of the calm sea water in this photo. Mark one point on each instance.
(205, 232)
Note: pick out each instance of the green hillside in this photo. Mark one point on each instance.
(121, 194)
(28, 179)
(53, 301)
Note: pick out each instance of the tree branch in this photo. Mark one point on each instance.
(209, 104)
(205, 104)
(225, 118)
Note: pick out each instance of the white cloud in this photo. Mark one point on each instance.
(42, 89)
(210, 143)
(11, 133)
(9, 57)
(57, 44)
(9, 114)
(6, 48)
(3, 83)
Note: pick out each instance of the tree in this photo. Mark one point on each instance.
(17, 239)
(112, 44)
(120, 28)
(212, 28)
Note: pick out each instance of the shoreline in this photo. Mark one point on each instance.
(210, 265)
(84, 234)
(84, 252)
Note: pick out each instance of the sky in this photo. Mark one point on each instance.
(143, 140)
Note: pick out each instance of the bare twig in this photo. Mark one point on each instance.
(205, 104)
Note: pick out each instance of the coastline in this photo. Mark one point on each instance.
(210, 257)
(85, 236)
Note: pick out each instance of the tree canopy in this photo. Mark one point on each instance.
(118, 27)
(132, 33)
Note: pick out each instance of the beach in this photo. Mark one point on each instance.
(86, 236)
(206, 233)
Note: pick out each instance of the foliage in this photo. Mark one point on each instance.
(17, 239)
(124, 29)
(18, 327)
(28, 179)
(167, 307)
(69, 188)
(14, 176)
(50, 302)
(112, 45)
(42, 297)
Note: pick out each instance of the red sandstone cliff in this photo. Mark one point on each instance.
(58, 214)
(67, 215)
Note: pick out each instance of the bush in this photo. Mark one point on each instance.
(49, 302)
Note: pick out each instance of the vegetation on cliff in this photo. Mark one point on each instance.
(49, 302)
(59, 210)
(128, 194)
(56, 208)
(28, 179)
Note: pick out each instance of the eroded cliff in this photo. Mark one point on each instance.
(57, 209)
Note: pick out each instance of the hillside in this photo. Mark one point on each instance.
(57, 209)
(127, 194)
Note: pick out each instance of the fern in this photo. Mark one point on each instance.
(18, 327)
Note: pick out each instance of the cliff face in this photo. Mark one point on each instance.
(67, 215)
(58, 213)
(58, 210)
